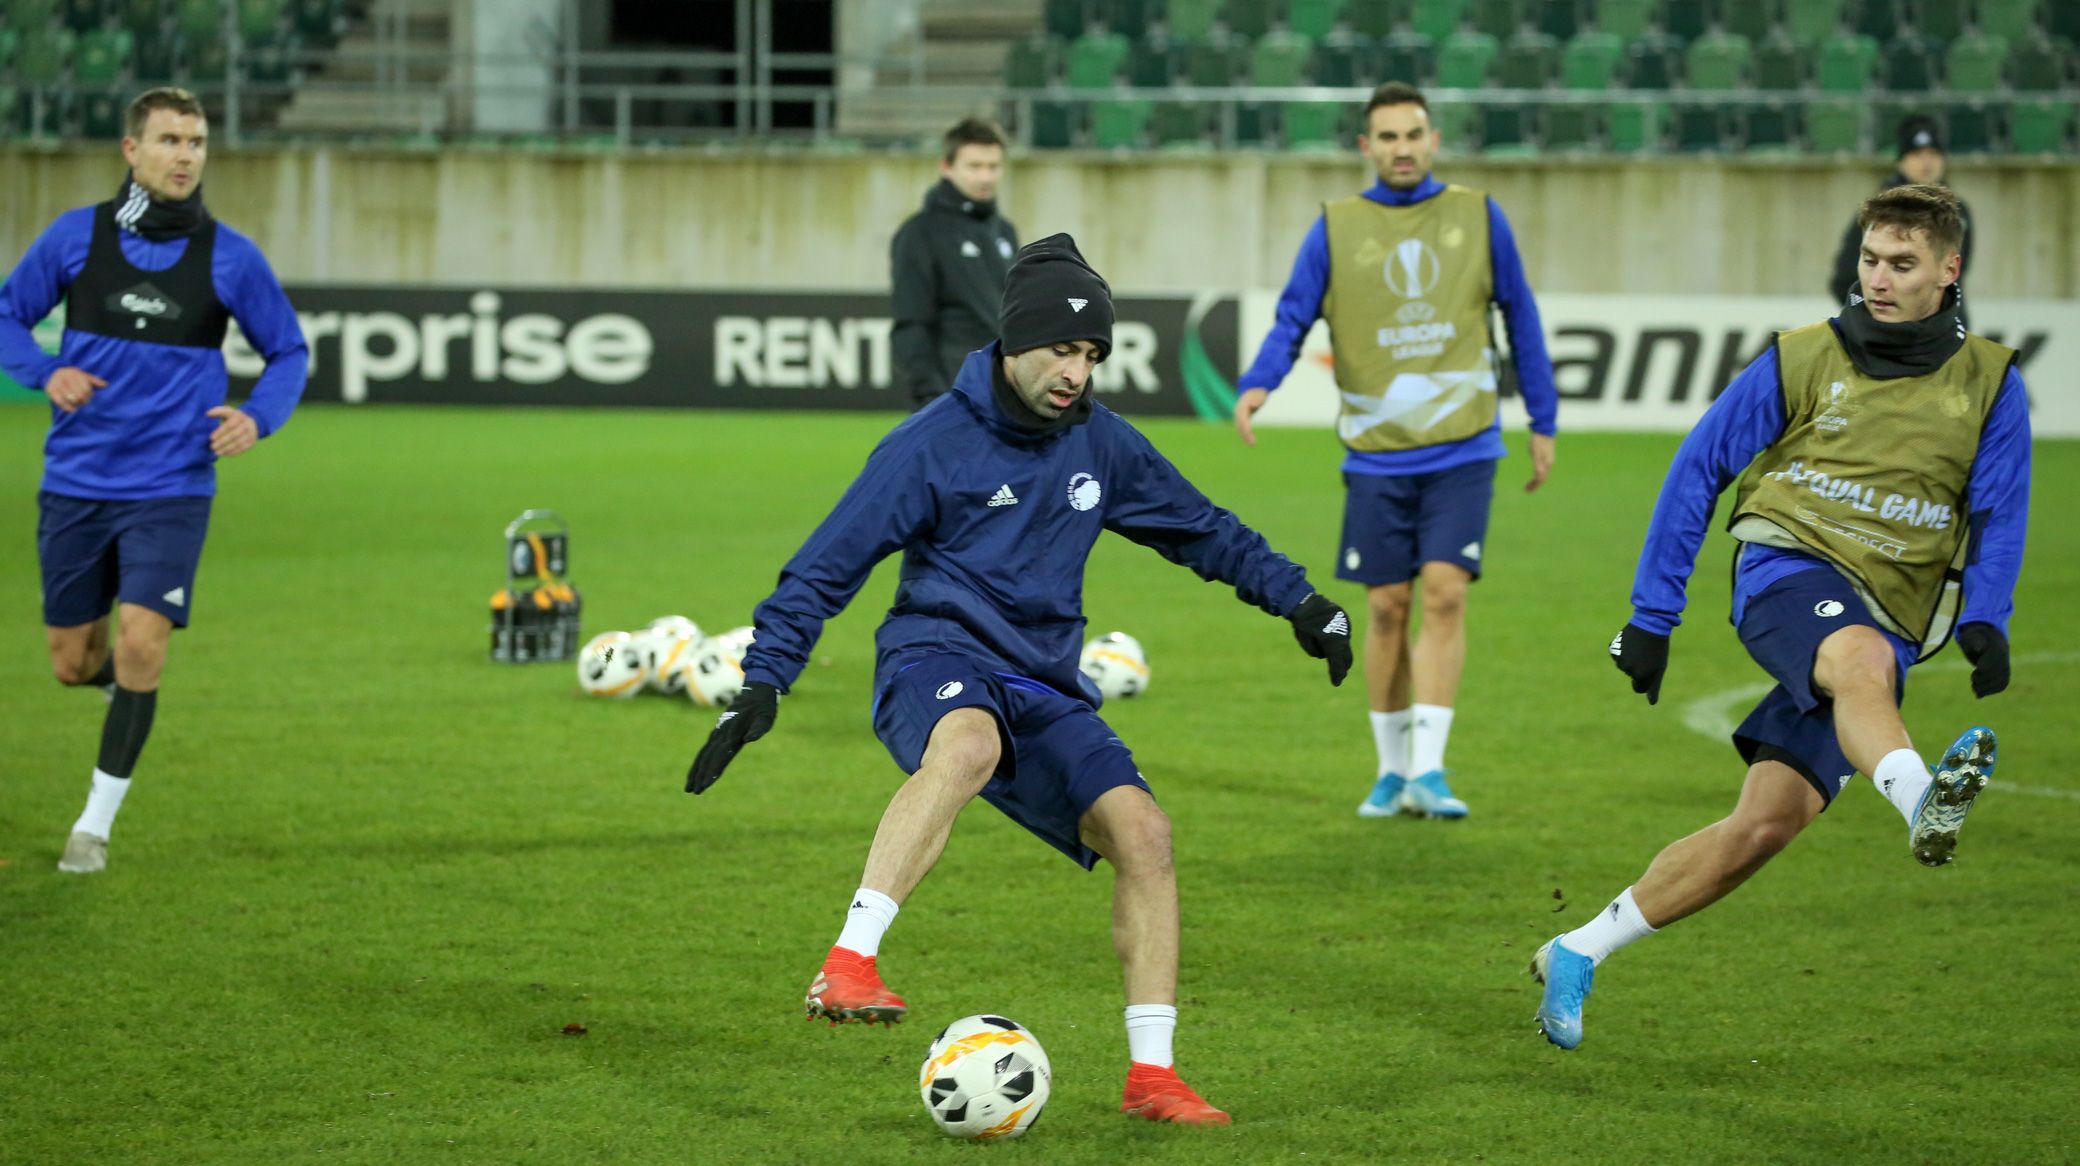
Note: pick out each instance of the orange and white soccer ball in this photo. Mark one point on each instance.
(667, 651)
(715, 673)
(1116, 664)
(612, 664)
(985, 1077)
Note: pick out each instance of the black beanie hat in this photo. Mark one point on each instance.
(1050, 296)
(1918, 132)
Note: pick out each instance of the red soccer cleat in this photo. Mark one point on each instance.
(848, 988)
(1158, 1094)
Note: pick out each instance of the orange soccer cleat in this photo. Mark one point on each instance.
(1158, 1094)
(848, 988)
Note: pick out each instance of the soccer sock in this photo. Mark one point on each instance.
(107, 675)
(1903, 777)
(103, 799)
(867, 921)
(1432, 724)
(1613, 928)
(124, 730)
(1390, 737)
(1149, 1030)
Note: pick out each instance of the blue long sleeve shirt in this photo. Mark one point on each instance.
(995, 524)
(1300, 305)
(1747, 419)
(145, 434)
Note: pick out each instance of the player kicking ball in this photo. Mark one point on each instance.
(995, 493)
(1886, 456)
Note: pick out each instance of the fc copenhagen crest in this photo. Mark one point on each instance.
(1412, 269)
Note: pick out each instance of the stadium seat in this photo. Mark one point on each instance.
(1510, 128)
(101, 58)
(155, 60)
(205, 62)
(1279, 60)
(1590, 61)
(142, 18)
(1095, 60)
(1637, 126)
(101, 116)
(43, 55)
(1571, 127)
(1559, 19)
(1067, 19)
(1974, 63)
(1030, 63)
(1129, 18)
(1464, 60)
(1054, 125)
(259, 20)
(28, 14)
(197, 19)
(272, 60)
(81, 15)
(1625, 19)
(1497, 18)
(1877, 19)
(1654, 61)
(1753, 19)
(1409, 57)
(1190, 20)
(2037, 64)
(1378, 18)
(1771, 129)
(1527, 61)
(1458, 123)
(1910, 63)
(1118, 125)
(318, 21)
(1942, 20)
(2062, 21)
(1716, 61)
(1150, 64)
(2040, 127)
(2010, 20)
(1178, 124)
(1834, 127)
(1972, 128)
(1313, 19)
(1248, 18)
(1213, 62)
(1316, 124)
(1436, 19)
(1686, 20)
(1845, 64)
(1345, 60)
(1811, 22)
(1779, 64)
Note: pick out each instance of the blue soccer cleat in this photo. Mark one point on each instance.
(1966, 767)
(1566, 975)
(1429, 797)
(1385, 801)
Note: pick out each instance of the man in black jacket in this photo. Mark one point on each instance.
(1921, 160)
(948, 264)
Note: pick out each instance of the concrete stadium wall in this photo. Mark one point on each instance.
(1152, 223)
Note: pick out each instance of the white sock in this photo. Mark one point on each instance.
(1613, 928)
(1902, 777)
(867, 921)
(103, 800)
(1433, 723)
(1390, 737)
(1149, 1029)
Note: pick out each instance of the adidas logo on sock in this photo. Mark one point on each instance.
(1339, 626)
(1003, 496)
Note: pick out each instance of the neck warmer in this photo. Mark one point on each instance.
(142, 214)
(1022, 416)
(1909, 349)
(949, 196)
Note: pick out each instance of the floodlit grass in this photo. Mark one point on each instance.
(366, 877)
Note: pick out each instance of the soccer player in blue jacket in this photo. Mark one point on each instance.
(1883, 459)
(1404, 274)
(994, 493)
(138, 420)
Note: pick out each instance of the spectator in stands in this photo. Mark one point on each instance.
(1921, 162)
(948, 264)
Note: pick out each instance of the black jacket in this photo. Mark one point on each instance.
(1845, 272)
(947, 263)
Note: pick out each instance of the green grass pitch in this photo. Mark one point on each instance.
(366, 877)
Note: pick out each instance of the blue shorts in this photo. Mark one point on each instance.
(96, 553)
(1782, 629)
(1058, 758)
(1394, 523)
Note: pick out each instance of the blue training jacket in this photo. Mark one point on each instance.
(145, 435)
(1300, 305)
(1747, 419)
(995, 523)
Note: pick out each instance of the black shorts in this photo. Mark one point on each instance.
(96, 553)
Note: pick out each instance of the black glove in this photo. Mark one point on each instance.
(1324, 632)
(1642, 655)
(1987, 649)
(750, 717)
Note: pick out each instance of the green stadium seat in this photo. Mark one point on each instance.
(1846, 61)
(1119, 125)
(2062, 21)
(1436, 19)
(2038, 64)
(1189, 20)
(1054, 125)
(259, 20)
(1409, 57)
(1771, 129)
(1458, 124)
(1096, 60)
(1717, 61)
(1701, 129)
(272, 60)
(197, 19)
(2040, 127)
(1559, 19)
(1590, 61)
(28, 14)
(142, 18)
(1571, 128)
(1974, 63)
(1753, 19)
(1498, 18)
(1253, 124)
(2010, 20)
(1834, 127)
(1625, 19)
(101, 58)
(1527, 61)
(1464, 60)
(1877, 19)
(1654, 61)
(1509, 128)
(318, 21)
(1031, 63)
(155, 60)
(1910, 64)
(81, 15)
(1316, 124)
(1213, 62)
(205, 62)
(1150, 63)
(101, 116)
(1178, 123)
(1279, 60)
(1637, 126)
(1345, 60)
(1129, 18)
(9, 39)
(1248, 18)
(43, 55)
(1378, 18)
(1313, 19)
(1942, 20)
(1067, 19)
(1686, 20)
(1972, 128)
(1779, 64)
(1811, 22)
